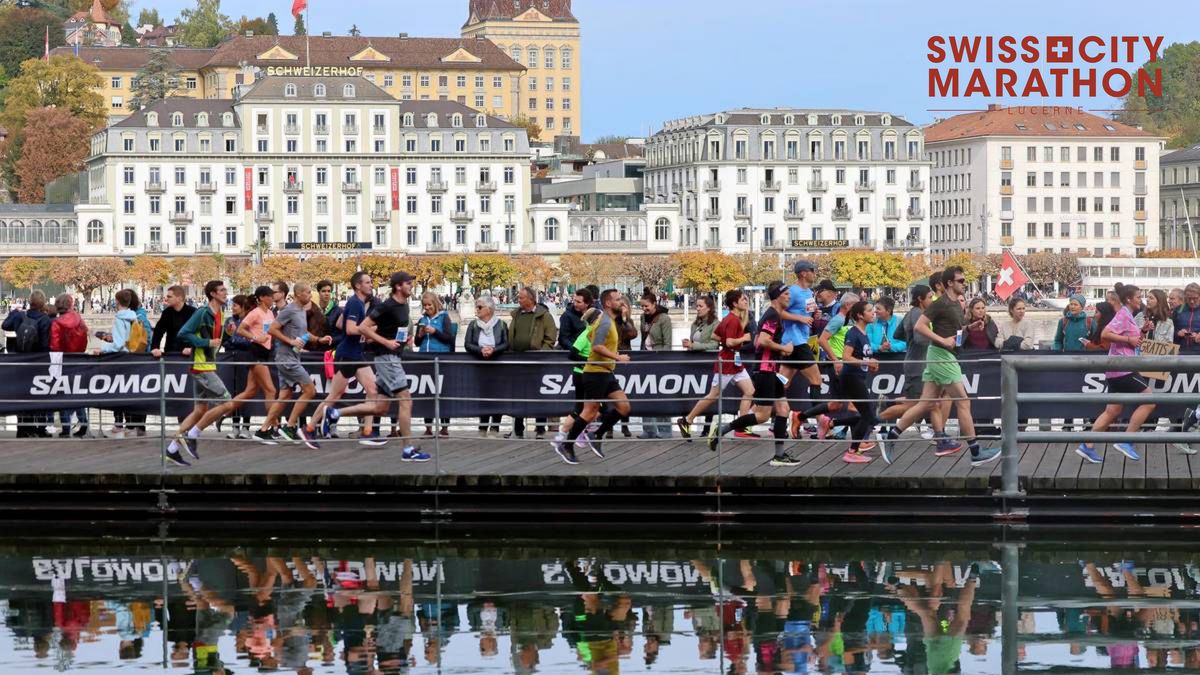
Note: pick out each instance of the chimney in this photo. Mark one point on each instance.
(993, 107)
(404, 36)
(326, 34)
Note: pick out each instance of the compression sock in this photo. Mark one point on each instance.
(973, 446)
(607, 421)
(893, 433)
(740, 424)
(578, 426)
(780, 429)
(816, 410)
(194, 432)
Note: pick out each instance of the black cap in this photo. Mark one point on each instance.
(825, 285)
(401, 277)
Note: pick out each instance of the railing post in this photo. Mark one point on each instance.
(162, 413)
(437, 414)
(1010, 455)
(1010, 611)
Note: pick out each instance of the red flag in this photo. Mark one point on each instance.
(1011, 277)
(46, 53)
(298, 6)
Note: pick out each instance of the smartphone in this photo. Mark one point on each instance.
(1083, 341)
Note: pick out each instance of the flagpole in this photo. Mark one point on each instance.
(307, 33)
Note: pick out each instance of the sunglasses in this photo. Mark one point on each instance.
(960, 281)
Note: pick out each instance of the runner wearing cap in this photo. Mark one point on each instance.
(798, 317)
(770, 395)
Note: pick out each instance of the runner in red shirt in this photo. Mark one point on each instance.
(731, 335)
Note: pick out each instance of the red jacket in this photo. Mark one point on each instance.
(68, 333)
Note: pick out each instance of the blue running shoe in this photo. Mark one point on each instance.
(414, 454)
(308, 437)
(372, 440)
(1127, 450)
(329, 419)
(1088, 453)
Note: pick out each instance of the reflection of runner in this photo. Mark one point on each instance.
(942, 627)
(595, 626)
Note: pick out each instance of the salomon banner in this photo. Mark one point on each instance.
(527, 385)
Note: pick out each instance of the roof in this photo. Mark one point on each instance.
(406, 52)
(1031, 121)
(491, 10)
(190, 107)
(272, 88)
(95, 14)
(444, 109)
(750, 117)
(613, 150)
(34, 209)
(133, 58)
(1190, 154)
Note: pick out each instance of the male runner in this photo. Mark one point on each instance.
(289, 333)
(798, 319)
(203, 332)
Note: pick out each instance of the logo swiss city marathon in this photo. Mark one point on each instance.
(1051, 66)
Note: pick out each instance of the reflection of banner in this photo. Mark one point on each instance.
(530, 384)
(1156, 348)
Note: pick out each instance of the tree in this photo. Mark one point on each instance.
(354, 31)
(535, 271)
(968, 262)
(204, 26)
(55, 145)
(156, 80)
(87, 275)
(23, 35)
(257, 25)
(149, 17)
(24, 272)
(760, 268)
(532, 128)
(64, 82)
(379, 265)
(428, 270)
(299, 28)
(918, 267)
(1046, 269)
(199, 270)
(150, 272)
(871, 270)
(491, 270)
(582, 269)
(611, 138)
(650, 270)
(272, 24)
(1175, 114)
(711, 272)
(320, 267)
(129, 37)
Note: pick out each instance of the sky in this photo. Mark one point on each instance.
(648, 61)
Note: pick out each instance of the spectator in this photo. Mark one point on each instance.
(32, 328)
(1074, 327)
(434, 335)
(69, 335)
(487, 338)
(882, 331)
(1187, 325)
(655, 328)
(980, 332)
(129, 312)
(1016, 333)
(570, 324)
(532, 330)
(332, 311)
(174, 315)
(1155, 320)
(628, 330)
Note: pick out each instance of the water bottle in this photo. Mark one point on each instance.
(737, 359)
(303, 341)
(958, 339)
(402, 334)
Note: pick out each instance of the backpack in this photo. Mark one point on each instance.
(138, 338)
(29, 335)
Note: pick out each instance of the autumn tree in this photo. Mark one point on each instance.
(491, 270)
(968, 262)
(203, 26)
(150, 272)
(318, 267)
(761, 268)
(427, 270)
(709, 271)
(64, 82)
(1047, 268)
(379, 265)
(582, 269)
(87, 275)
(918, 267)
(155, 81)
(650, 270)
(56, 143)
(535, 271)
(532, 128)
(871, 270)
(256, 25)
(24, 272)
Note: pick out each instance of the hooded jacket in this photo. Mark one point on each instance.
(570, 326)
(68, 333)
(878, 331)
(543, 334)
(120, 332)
(656, 330)
(1072, 327)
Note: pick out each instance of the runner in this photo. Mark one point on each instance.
(255, 327)
(290, 334)
(349, 363)
(770, 385)
(599, 384)
(914, 358)
(731, 335)
(1124, 338)
(390, 318)
(856, 363)
(203, 332)
(581, 348)
(942, 377)
(798, 319)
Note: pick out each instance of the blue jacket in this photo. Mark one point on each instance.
(13, 322)
(441, 341)
(1185, 319)
(876, 331)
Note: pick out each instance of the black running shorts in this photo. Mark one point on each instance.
(768, 388)
(597, 386)
(1127, 384)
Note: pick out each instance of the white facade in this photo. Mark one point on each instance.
(1099, 275)
(560, 228)
(302, 161)
(755, 180)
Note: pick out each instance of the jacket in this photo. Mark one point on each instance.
(332, 314)
(1072, 327)
(877, 332)
(68, 333)
(13, 322)
(1187, 319)
(471, 343)
(168, 327)
(543, 333)
(570, 326)
(196, 333)
(1163, 331)
(233, 341)
(1008, 329)
(120, 332)
(628, 331)
(702, 337)
(656, 330)
(441, 341)
(990, 329)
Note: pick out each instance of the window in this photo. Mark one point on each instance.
(127, 144)
(289, 90)
(230, 145)
(424, 80)
(1098, 154)
(443, 81)
(1114, 153)
(129, 205)
(155, 205)
(1030, 179)
(410, 204)
(128, 175)
(533, 57)
(179, 144)
(406, 81)
(411, 235)
(348, 91)
(1139, 153)
(566, 57)
(551, 229)
(435, 204)
(388, 80)
(322, 205)
(231, 206)
(509, 175)
(231, 235)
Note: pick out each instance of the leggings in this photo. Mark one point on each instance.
(854, 388)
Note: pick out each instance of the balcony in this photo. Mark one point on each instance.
(712, 214)
(291, 129)
(350, 130)
(381, 215)
(769, 186)
(863, 243)
(1139, 164)
(487, 247)
(485, 187)
(378, 131)
(264, 216)
(915, 214)
(797, 214)
(205, 248)
(916, 186)
(841, 213)
(774, 245)
(742, 214)
(155, 187)
(262, 129)
(156, 247)
(437, 247)
(1006, 241)
(868, 186)
(905, 244)
(181, 217)
(712, 186)
(891, 214)
(321, 130)
(1139, 240)
(351, 187)
(818, 185)
(1006, 164)
(435, 186)
(1140, 190)
(1006, 215)
(206, 188)
(712, 244)
(293, 187)
(462, 216)
(1006, 189)
(1139, 215)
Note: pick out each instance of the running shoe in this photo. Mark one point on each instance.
(785, 460)
(866, 446)
(191, 445)
(947, 447)
(265, 437)
(1184, 448)
(286, 434)
(927, 433)
(882, 439)
(685, 429)
(309, 438)
(564, 451)
(329, 419)
(244, 435)
(414, 454)
(586, 442)
(1127, 450)
(714, 436)
(985, 456)
(852, 457)
(175, 458)
(840, 432)
(794, 430)
(747, 434)
(372, 440)
(824, 424)
(1088, 453)
(1189, 420)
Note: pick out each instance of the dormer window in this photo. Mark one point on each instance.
(202, 119)
(227, 119)
(812, 120)
(289, 90)
(887, 120)
(177, 120)
(837, 120)
(431, 120)
(766, 119)
(319, 91)
(151, 119)
(789, 120)
(720, 119)
(348, 91)
(859, 120)
(481, 120)
(456, 120)
(408, 119)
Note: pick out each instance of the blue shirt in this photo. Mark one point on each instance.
(351, 348)
(858, 341)
(802, 302)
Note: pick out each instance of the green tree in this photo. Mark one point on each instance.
(273, 24)
(129, 37)
(203, 26)
(299, 29)
(611, 138)
(711, 272)
(65, 82)
(149, 17)
(24, 272)
(532, 128)
(1175, 114)
(256, 25)
(491, 270)
(23, 35)
(157, 80)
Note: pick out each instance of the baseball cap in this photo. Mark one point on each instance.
(401, 277)
(825, 285)
(803, 266)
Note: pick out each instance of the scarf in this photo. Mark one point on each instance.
(487, 331)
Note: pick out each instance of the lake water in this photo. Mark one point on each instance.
(932, 603)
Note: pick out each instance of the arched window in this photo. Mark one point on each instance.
(533, 57)
(456, 120)
(227, 119)
(319, 90)
(95, 232)
(548, 57)
(348, 91)
(859, 120)
(151, 119)
(177, 120)
(289, 90)
(551, 229)
(837, 119)
(408, 119)
(431, 120)
(662, 229)
(202, 119)
(481, 120)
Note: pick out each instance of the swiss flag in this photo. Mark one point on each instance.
(298, 6)
(1011, 277)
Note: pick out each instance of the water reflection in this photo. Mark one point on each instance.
(582, 613)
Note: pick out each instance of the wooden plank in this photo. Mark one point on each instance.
(911, 450)
(1047, 468)
(1068, 469)
(1114, 468)
(1179, 473)
(1150, 473)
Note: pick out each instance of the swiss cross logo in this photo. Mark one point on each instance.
(1059, 49)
